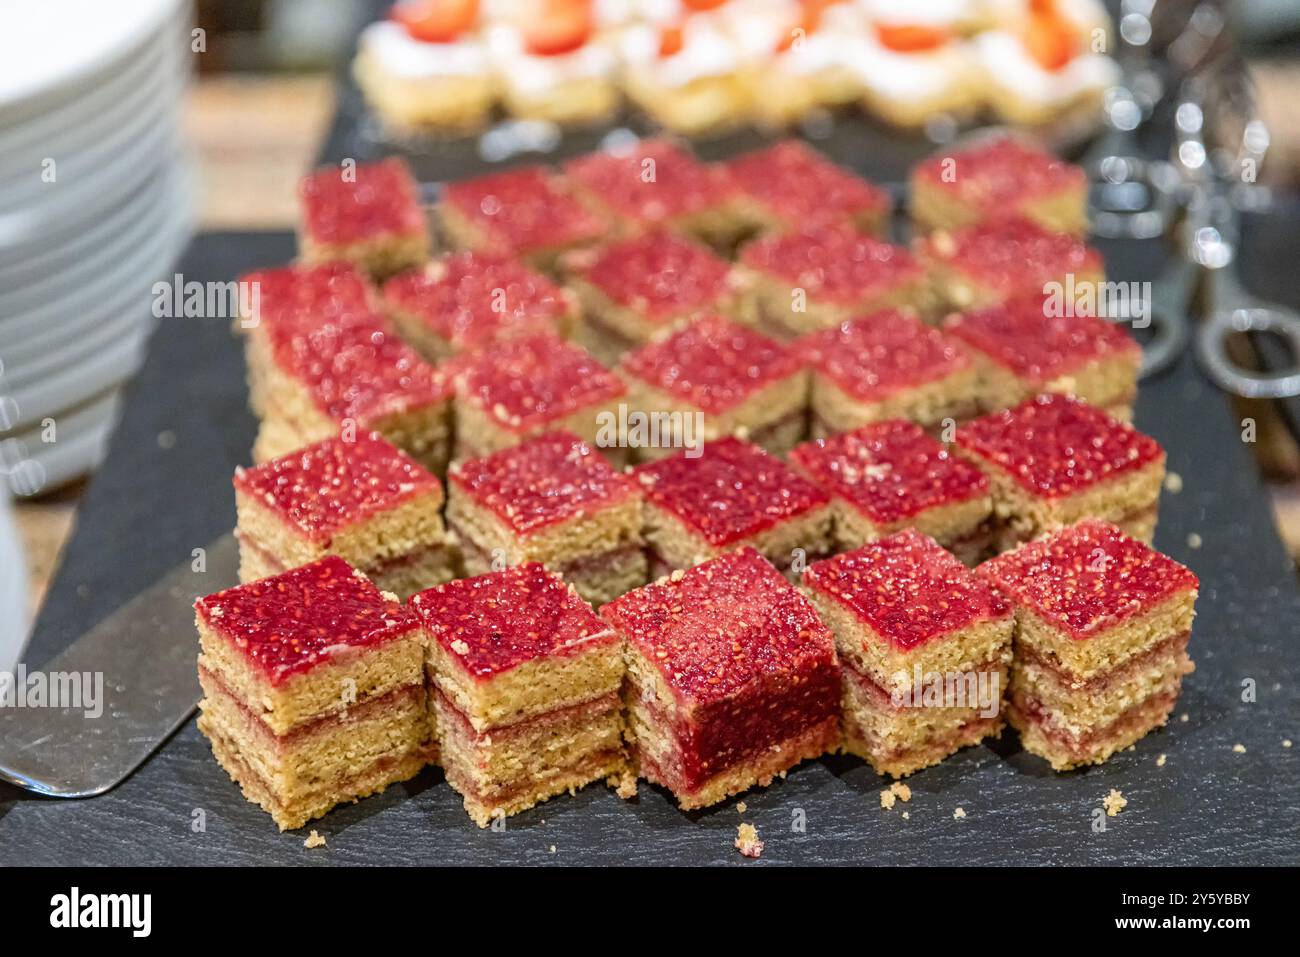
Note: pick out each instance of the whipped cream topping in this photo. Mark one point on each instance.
(1009, 65)
(532, 74)
(405, 56)
(706, 52)
(914, 76)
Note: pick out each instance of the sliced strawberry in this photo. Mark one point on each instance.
(701, 5)
(1050, 41)
(671, 41)
(554, 27)
(436, 21)
(912, 39)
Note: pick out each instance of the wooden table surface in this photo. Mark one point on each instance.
(253, 136)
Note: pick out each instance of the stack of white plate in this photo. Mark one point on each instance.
(95, 207)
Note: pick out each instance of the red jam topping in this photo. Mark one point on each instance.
(358, 373)
(834, 263)
(372, 201)
(733, 491)
(1036, 347)
(1014, 256)
(1055, 445)
(472, 299)
(288, 624)
(1000, 174)
(651, 182)
(1088, 578)
(658, 275)
(533, 380)
(328, 486)
(306, 297)
(890, 471)
(712, 364)
(496, 622)
(881, 355)
(552, 478)
(523, 211)
(907, 588)
(801, 186)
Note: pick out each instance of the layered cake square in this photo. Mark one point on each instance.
(524, 684)
(1005, 259)
(886, 366)
(735, 493)
(313, 689)
(363, 500)
(790, 185)
(470, 300)
(731, 678)
(1102, 625)
(1055, 460)
(527, 212)
(655, 184)
(726, 377)
(801, 282)
(368, 214)
(924, 647)
(1023, 350)
(556, 500)
(998, 177)
(888, 476)
(529, 385)
(647, 286)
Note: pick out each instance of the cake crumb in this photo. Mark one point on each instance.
(902, 790)
(314, 839)
(747, 841)
(460, 647)
(1160, 761)
(907, 815)
(1239, 748)
(1173, 483)
(1114, 802)
(958, 814)
(1184, 717)
(551, 849)
(741, 807)
(1286, 742)
(887, 799)
(1193, 540)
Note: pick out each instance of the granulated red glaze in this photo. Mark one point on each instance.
(880, 355)
(801, 186)
(536, 379)
(496, 622)
(1013, 256)
(1019, 336)
(552, 478)
(308, 297)
(908, 589)
(1088, 578)
(357, 373)
(834, 264)
(288, 624)
(381, 200)
(733, 491)
(333, 484)
(658, 275)
(890, 471)
(471, 299)
(523, 211)
(652, 182)
(1054, 445)
(1000, 174)
(712, 364)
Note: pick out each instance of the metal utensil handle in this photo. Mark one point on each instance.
(1211, 350)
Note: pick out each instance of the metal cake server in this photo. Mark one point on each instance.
(141, 658)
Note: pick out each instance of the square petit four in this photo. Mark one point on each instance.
(886, 366)
(1055, 460)
(556, 500)
(1102, 626)
(636, 289)
(998, 177)
(731, 678)
(732, 494)
(924, 647)
(888, 476)
(529, 385)
(1021, 350)
(800, 282)
(313, 689)
(529, 213)
(368, 214)
(727, 377)
(363, 500)
(789, 186)
(1005, 259)
(470, 300)
(524, 684)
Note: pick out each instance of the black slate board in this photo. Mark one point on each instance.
(149, 506)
